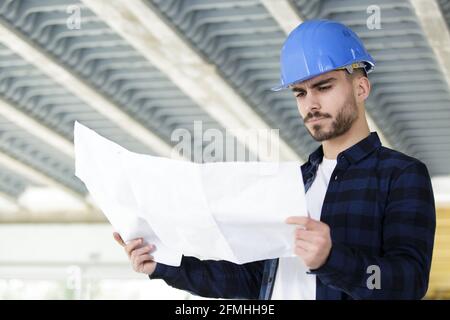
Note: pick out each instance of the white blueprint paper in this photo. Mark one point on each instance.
(231, 211)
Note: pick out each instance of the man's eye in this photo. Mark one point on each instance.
(300, 94)
(324, 88)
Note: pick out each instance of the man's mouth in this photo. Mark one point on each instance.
(313, 120)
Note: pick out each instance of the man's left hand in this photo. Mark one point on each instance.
(312, 241)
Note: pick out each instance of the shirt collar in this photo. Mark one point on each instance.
(354, 153)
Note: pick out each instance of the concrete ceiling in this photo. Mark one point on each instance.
(135, 71)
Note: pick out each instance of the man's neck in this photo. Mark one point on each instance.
(331, 148)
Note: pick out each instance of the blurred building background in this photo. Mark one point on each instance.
(136, 70)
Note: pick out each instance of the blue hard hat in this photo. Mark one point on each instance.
(319, 46)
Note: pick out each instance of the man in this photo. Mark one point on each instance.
(372, 217)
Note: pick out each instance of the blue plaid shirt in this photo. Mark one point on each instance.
(380, 209)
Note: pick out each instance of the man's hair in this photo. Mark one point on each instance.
(359, 72)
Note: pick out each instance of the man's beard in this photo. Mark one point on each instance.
(343, 122)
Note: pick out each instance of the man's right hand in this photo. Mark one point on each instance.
(138, 254)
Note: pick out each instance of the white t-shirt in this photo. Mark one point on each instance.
(292, 282)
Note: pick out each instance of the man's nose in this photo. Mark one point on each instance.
(312, 104)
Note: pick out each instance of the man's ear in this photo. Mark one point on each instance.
(363, 88)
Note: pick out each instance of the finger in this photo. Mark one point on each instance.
(143, 258)
(139, 261)
(118, 238)
(302, 222)
(316, 225)
(297, 220)
(140, 251)
(300, 252)
(306, 235)
(307, 223)
(133, 244)
(308, 246)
